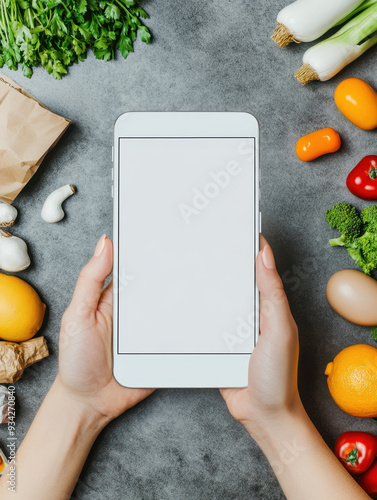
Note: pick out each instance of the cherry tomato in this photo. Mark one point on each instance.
(368, 481)
(356, 451)
(358, 102)
(362, 180)
(318, 143)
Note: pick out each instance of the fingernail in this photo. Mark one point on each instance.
(100, 246)
(268, 258)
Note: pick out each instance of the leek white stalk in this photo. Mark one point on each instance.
(325, 59)
(307, 20)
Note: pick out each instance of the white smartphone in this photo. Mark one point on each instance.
(186, 234)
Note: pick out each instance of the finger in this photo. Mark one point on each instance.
(262, 242)
(107, 295)
(92, 277)
(105, 304)
(274, 308)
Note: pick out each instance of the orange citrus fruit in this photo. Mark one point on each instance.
(21, 309)
(352, 380)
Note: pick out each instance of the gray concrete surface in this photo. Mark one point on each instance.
(214, 55)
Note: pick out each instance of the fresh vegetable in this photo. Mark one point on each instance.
(364, 5)
(373, 333)
(52, 210)
(358, 102)
(368, 481)
(325, 59)
(353, 295)
(14, 255)
(358, 233)
(14, 358)
(318, 143)
(4, 406)
(21, 309)
(8, 215)
(3, 462)
(362, 180)
(352, 379)
(356, 451)
(57, 33)
(307, 20)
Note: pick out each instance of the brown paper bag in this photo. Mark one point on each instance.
(28, 131)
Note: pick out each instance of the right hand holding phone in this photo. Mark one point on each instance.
(272, 389)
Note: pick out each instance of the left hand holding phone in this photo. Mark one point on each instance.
(85, 360)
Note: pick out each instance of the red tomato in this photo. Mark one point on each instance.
(356, 451)
(362, 180)
(368, 481)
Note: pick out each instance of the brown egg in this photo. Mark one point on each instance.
(353, 295)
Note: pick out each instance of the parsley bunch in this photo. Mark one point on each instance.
(58, 33)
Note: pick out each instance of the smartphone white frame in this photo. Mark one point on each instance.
(192, 370)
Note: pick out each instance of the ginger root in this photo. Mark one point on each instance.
(14, 358)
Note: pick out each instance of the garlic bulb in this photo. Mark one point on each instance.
(14, 256)
(52, 210)
(8, 215)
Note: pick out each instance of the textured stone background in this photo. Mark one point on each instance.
(213, 55)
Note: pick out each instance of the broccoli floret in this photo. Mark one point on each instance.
(367, 244)
(346, 219)
(369, 218)
(358, 233)
(357, 255)
(373, 333)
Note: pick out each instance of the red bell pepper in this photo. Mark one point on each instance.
(362, 180)
(356, 451)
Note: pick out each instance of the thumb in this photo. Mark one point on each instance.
(275, 313)
(92, 277)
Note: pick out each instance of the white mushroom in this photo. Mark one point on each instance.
(52, 210)
(8, 215)
(14, 256)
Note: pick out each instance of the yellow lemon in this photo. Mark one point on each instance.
(352, 380)
(21, 309)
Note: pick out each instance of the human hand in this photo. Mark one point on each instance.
(272, 391)
(85, 357)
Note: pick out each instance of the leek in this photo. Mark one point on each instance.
(360, 8)
(325, 59)
(307, 20)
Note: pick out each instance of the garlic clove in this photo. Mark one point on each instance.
(8, 215)
(14, 255)
(52, 210)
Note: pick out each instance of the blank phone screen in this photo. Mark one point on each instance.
(186, 281)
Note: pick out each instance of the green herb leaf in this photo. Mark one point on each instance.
(81, 6)
(27, 71)
(58, 33)
(145, 34)
(112, 12)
